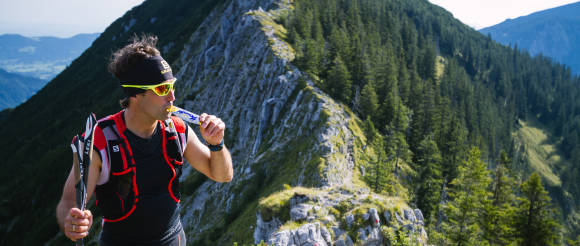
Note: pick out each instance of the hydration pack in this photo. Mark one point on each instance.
(118, 196)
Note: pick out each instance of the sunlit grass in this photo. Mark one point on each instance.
(542, 152)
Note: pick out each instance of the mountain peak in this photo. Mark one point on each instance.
(549, 32)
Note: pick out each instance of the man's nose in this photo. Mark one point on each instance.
(171, 96)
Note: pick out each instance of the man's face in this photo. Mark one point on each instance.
(154, 106)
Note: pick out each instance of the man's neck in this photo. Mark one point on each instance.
(139, 124)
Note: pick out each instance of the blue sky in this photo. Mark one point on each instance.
(61, 18)
(65, 18)
(483, 13)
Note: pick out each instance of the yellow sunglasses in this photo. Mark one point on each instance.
(159, 89)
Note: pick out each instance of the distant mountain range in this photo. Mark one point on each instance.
(27, 64)
(17, 88)
(41, 57)
(553, 33)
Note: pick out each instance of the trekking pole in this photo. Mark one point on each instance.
(82, 161)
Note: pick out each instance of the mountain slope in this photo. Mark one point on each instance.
(304, 160)
(551, 32)
(17, 88)
(279, 133)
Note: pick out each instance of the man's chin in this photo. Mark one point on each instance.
(166, 116)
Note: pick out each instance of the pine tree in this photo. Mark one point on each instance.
(427, 66)
(378, 174)
(430, 181)
(454, 148)
(404, 82)
(469, 196)
(355, 63)
(534, 219)
(382, 178)
(369, 102)
(339, 83)
(397, 135)
(417, 131)
(497, 219)
(370, 131)
(313, 53)
(388, 108)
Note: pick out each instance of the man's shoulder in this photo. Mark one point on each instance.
(105, 123)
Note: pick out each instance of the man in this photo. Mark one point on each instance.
(137, 157)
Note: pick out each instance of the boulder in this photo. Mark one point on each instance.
(349, 220)
(419, 214)
(399, 220)
(409, 215)
(387, 215)
(300, 212)
(374, 217)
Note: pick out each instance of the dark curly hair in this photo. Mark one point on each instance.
(140, 48)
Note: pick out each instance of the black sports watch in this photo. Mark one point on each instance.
(217, 147)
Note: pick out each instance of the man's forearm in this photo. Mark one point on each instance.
(221, 165)
(61, 211)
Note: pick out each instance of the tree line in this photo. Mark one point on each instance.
(443, 98)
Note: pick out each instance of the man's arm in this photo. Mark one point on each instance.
(72, 221)
(216, 165)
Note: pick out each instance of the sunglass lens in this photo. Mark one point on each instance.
(162, 90)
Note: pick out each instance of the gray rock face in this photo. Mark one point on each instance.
(374, 217)
(370, 236)
(387, 215)
(308, 234)
(349, 220)
(265, 228)
(319, 208)
(229, 68)
(235, 67)
(343, 240)
(399, 219)
(419, 215)
(410, 215)
(300, 212)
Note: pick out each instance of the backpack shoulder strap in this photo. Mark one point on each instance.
(117, 156)
(179, 128)
(180, 125)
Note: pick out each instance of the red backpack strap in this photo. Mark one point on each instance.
(120, 122)
(179, 124)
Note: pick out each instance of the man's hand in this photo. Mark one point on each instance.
(77, 223)
(212, 128)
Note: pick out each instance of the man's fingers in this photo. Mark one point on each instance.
(78, 223)
(80, 229)
(208, 120)
(204, 120)
(76, 213)
(81, 222)
(75, 232)
(217, 128)
(211, 124)
(88, 215)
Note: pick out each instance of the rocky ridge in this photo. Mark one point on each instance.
(336, 216)
(282, 130)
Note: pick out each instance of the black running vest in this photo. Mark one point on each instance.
(119, 197)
